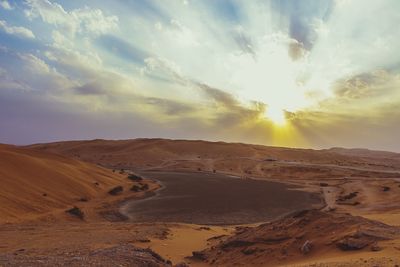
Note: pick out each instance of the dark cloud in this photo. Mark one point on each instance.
(229, 112)
(296, 50)
(169, 107)
(301, 15)
(244, 42)
(219, 96)
(366, 85)
(238, 117)
(91, 88)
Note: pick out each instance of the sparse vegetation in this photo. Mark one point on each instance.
(139, 187)
(385, 188)
(116, 190)
(77, 212)
(348, 196)
(145, 187)
(135, 188)
(198, 255)
(134, 177)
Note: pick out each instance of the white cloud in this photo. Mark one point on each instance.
(16, 30)
(40, 76)
(4, 4)
(82, 20)
(34, 64)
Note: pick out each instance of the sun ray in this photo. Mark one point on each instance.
(276, 115)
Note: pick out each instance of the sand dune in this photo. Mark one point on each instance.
(34, 182)
(224, 157)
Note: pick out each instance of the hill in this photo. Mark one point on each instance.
(36, 182)
(235, 158)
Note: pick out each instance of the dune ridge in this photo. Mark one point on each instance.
(236, 158)
(35, 182)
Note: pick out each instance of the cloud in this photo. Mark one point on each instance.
(7, 82)
(28, 72)
(6, 5)
(243, 41)
(219, 96)
(170, 108)
(367, 85)
(77, 21)
(296, 50)
(208, 69)
(16, 30)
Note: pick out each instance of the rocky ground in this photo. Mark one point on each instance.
(120, 255)
(303, 234)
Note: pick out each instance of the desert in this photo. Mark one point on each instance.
(328, 208)
(201, 133)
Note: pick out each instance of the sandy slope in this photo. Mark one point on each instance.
(34, 182)
(38, 187)
(236, 158)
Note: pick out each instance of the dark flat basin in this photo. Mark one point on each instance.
(203, 198)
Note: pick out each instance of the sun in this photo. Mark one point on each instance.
(276, 115)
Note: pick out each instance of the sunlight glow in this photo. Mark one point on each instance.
(273, 77)
(276, 115)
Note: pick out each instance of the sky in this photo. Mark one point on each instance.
(296, 73)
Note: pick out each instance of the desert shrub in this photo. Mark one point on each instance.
(77, 212)
(140, 187)
(135, 188)
(145, 187)
(116, 190)
(385, 188)
(135, 177)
